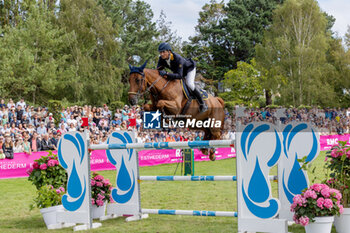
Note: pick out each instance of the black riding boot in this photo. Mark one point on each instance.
(202, 105)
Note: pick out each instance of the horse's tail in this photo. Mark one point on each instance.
(221, 102)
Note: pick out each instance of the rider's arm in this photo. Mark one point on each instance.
(178, 71)
(160, 65)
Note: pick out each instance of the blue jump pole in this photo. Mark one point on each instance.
(191, 212)
(193, 178)
(165, 145)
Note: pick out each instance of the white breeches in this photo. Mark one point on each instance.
(190, 79)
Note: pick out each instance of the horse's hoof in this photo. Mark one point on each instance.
(204, 151)
(212, 156)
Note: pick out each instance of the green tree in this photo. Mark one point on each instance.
(137, 32)
(227, 34)
(32, 60)
(166, 34)
(13, 11)
(205, 48)
(294, 49)
(244, 27)
(95, 53)
(243, 83)
(339, 71)
(347, 37)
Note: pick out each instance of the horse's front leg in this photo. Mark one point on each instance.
(148, 107)
(169, 105)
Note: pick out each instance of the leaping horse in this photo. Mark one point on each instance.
(168, 97)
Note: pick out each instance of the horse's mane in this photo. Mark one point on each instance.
(151, 71)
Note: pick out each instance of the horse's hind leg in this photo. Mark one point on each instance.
(210, 151)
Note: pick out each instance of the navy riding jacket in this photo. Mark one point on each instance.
(178, 65)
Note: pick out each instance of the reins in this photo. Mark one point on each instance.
(149, 89)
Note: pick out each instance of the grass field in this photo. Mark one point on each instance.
(17, 194)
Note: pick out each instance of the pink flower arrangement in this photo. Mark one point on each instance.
(52, 163)
(47, 171)
(29, 170)
(317, 201)
(338, 164)
(36, 165)
(101, 190)
(43, 166)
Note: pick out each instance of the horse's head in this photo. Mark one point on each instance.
(137, 81)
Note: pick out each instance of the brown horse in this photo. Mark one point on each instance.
(168, 97)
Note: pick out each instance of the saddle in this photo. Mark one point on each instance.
(188, 93)
(190, 96)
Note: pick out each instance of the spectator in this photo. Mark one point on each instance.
(138, 122)
(42, 129)
(19, 112)
(4, 119)
(72, 128)
(26, 145)
(2, 103)
(54, 140)
(18, 148)
(199, 137)
(49, 119)
(35, 144)
(36, 120)
(46, 143)
(123, 125)
(7, 147)
(30, 129)
(105, 111)
(2, 155)
(10, 104)
(116, 121)
(72, 120)
(118, 113)
(25, 119)
(21, 103)
(125, 113)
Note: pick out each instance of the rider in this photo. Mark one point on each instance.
(181, 68)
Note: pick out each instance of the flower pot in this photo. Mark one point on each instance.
(50, 213)
(342, 223)
(99, 211)
(321, 225)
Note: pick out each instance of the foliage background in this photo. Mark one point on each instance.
(78, 51)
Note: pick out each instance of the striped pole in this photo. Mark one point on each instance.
(191, 212)
(193, 178)
(165, 145)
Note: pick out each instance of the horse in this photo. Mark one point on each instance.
(168, 97)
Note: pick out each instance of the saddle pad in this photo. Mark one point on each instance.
(187, 94)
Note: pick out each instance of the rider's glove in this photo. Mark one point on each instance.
(162, 73)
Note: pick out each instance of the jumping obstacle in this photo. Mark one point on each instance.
(188, 162)
(164, 145)
(258, 148)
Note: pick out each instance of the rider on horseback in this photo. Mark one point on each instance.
(181, 68)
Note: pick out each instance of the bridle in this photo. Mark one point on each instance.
(144, 82)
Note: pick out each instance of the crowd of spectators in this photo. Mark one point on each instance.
(29, 129)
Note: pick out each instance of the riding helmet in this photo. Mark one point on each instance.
(164, 46)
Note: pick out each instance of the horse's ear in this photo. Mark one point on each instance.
(130, 67)
(144, 65)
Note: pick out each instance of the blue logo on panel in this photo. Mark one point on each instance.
(151, 120)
